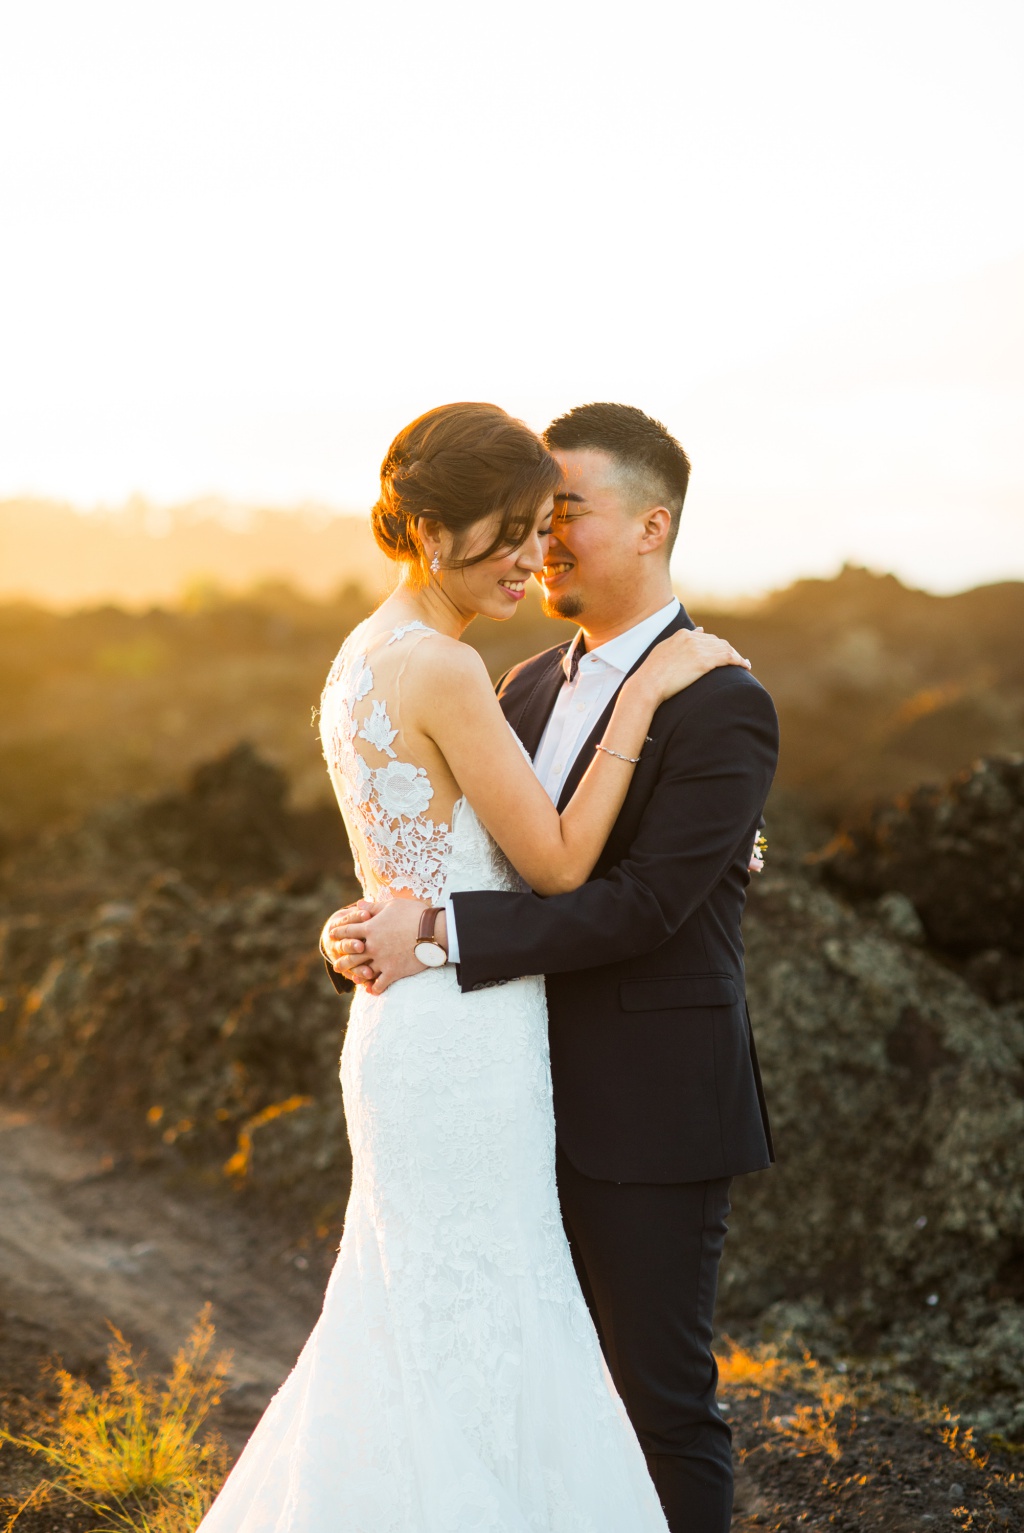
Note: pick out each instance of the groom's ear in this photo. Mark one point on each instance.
(655, 528)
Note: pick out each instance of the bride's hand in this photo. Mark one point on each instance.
(342, 954)
(683, 658)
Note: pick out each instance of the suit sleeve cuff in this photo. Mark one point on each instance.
(341, 982)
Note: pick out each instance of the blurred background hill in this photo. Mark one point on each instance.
(139, 554)
(135, 644)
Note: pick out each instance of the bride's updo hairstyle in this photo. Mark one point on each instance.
(458, 465)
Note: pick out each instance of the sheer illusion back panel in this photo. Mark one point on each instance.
(397, 806)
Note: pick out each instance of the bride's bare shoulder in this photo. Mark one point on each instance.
(445, 666)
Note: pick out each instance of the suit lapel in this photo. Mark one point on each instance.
(586, 753)
(529, 717)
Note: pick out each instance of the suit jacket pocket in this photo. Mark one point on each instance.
(674, 992)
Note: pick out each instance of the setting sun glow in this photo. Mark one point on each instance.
(245, 243)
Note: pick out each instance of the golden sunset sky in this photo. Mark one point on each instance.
(243, 243)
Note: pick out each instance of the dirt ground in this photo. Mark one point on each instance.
(891, 1473)
(85, 1239)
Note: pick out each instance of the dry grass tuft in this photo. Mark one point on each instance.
(960, 1440)
(753, 1370)
(811, 1428)
(131, 1453)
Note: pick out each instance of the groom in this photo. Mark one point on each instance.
(658, 1100)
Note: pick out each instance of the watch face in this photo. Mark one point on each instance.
(430, 954)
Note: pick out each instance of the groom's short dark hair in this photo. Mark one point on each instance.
(649, 455)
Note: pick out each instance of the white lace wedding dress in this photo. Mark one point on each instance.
(454, 1382)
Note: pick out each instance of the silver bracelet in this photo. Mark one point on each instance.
(617, 754)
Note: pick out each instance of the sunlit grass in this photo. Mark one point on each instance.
(131, 1453)
(754, 1369)
(811, 1428)
(824, 1406)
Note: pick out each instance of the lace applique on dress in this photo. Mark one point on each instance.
(413, 627)
(397, 847)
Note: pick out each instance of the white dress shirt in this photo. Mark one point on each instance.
(578, 707)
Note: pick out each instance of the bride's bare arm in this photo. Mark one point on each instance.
(458, 710)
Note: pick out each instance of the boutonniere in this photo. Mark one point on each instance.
(756, 863)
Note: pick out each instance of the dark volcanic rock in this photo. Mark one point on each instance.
(229, 828)
(195, 1023)
(188, 1029)
(160, 980)
(897, 1205)
(230, 822)
(954, 851)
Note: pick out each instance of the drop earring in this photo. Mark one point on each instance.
(435, 564)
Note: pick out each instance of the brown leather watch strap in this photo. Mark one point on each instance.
(428, 920)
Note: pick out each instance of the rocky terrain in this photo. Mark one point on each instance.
(893, 1224)
(885, 985)
(85, 1236)
(161, 988)
(954, 853)
(162, 1001)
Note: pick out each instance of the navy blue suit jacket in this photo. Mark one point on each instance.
(652, 1055)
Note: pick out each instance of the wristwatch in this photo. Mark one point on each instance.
(426, 947)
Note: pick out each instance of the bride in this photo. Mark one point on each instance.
(454, 1382)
